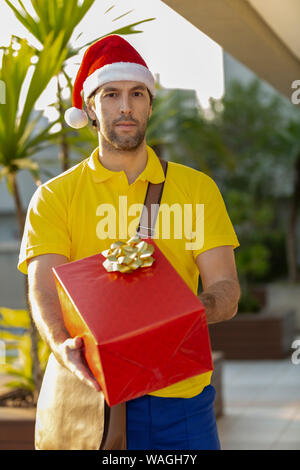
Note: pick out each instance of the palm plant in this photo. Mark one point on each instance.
(19, 137)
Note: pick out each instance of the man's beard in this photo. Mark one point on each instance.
(112, 138)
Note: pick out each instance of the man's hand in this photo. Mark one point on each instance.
(47, 315)
(221, 289)
(69, 354)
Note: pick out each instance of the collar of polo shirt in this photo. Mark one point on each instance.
(153, 171)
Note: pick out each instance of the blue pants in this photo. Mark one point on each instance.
(172, 423)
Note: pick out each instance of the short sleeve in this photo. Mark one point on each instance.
(46, 227)
(212, 218)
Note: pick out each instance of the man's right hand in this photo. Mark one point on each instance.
(70, 355)
(48, 318)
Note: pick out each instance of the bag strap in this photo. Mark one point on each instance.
(151, 206)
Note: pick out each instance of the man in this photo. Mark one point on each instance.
(65, 222)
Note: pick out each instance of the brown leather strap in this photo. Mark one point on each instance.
(114, 432)
(151, 206)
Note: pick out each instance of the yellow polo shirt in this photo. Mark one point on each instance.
(80, 212)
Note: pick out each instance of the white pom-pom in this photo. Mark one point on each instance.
(76, 118)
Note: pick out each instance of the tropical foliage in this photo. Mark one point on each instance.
(248, 142)
(19, 138)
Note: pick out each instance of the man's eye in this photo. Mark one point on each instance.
(111, 95)
(138, 93)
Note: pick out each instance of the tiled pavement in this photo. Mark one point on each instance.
(261, 405)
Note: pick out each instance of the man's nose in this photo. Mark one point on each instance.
(125, 107)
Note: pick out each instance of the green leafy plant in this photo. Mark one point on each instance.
(248, 143)
(20, 139)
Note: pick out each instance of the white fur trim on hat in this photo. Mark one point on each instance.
(118, 71)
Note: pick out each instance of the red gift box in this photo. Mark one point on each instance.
(142, 330)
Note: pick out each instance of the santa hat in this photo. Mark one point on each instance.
(109, 59)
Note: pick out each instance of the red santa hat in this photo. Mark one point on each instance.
(109, 59)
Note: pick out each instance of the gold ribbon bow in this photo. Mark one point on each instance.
(126, 257)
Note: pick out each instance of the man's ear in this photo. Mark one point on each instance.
(91, 112)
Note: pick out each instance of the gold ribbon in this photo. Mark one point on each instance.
(129, 256)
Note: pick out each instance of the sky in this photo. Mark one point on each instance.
(183, 56)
